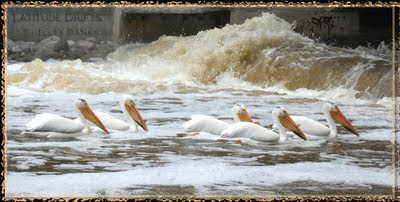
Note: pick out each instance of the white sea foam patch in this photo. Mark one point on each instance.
(15, 67)
(97, 77)
(25, 162)
(379, 53)
(338, 94)
(388, 101)
(74, 166)
(194, 172)
(378, 134)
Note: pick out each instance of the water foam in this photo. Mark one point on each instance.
(261, 53)
(200, 173)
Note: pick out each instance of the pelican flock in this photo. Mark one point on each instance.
(245, 127)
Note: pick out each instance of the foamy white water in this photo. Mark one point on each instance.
(262, 64)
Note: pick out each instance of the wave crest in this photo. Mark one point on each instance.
(263, 51)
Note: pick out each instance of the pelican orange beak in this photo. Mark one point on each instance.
(244, 116)
(135, 115)
(342, 120)
(89, 115)
(288, 123)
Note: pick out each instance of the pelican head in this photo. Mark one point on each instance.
(88, 114)
(240, 113)
(338, 116)
(129, 105)
(287, 122)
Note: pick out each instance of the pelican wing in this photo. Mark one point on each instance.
(54, 123)
(112, 122)
(251, 131)
(311, 127)
(203, 123)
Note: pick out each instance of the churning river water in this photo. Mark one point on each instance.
(262, 64)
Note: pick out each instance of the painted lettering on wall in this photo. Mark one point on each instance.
(325, 24)
(87, 31)
(56, 17)
(45, 24)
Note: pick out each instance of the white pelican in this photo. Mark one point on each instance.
(131, 113)
(316, 130)
(204, 123)
(256, 132)
(47, 122)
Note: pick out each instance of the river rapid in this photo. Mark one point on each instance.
(262, 64)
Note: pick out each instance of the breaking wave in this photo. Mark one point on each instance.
(262, 53)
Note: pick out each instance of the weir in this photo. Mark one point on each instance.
(337, 26)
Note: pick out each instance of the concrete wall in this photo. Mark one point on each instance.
(339, 26)
(342, 26)
(147, 27)
(322, 22)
